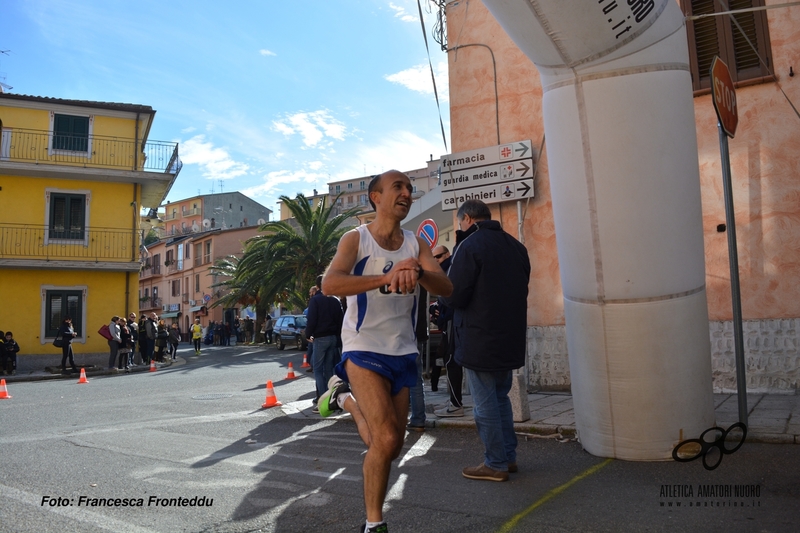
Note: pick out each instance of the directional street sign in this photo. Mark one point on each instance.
(486, 156)
(486, 175)
(489, 194)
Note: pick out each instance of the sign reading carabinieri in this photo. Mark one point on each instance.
(492, 174)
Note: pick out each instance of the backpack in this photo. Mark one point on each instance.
(105, 332)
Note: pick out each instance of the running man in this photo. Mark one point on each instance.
(377, 266)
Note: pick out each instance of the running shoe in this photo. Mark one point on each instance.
(327, 402)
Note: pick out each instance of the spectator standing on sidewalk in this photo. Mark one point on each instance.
(416, 392)
(324, 326)
(268, 329)
(174, 339)
(490, 271)
(377, 266)
(67, 333)
(133, 327)
(124, 345)
(455, 374)
(151, 329)
(8, 353)
(113, 342)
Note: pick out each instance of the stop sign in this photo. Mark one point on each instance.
(724, 96)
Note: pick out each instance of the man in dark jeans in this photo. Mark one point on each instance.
(324, 325)
(490, 271)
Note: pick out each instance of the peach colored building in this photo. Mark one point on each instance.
(175, 281)
(496, 97)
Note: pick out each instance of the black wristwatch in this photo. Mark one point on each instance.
(420, 272)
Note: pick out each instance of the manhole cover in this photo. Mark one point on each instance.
(212, 396)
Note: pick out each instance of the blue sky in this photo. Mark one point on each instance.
(265, 97)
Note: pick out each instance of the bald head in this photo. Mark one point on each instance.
(440, 253)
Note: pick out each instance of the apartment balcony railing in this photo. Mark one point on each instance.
(149, 303)
(25, 241)
(95, 151)
(191, 212)
(150, 270)
(172, 216)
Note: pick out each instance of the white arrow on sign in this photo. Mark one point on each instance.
(491, 155)
(486, 175)
(489, 194)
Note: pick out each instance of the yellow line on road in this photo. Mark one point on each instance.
(511, 524)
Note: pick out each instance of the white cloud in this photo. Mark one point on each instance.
(275, 183)
(313, 127)
(215, 163)
(401, 150)
(418, 79)
(189, 129)
(400, 12)
(265, 52)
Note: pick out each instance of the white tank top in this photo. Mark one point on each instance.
(376, 321)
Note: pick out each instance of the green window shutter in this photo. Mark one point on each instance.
(61, 304)
(67, 216)
(70, 133)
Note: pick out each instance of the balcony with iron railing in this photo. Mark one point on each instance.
(191, 212)
(148, 303)
(149, 270)
(53, 243)
(92, 151)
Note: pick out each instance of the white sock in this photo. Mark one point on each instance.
(342, 398)
(371, 524)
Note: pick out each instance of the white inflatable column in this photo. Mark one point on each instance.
(622, 153)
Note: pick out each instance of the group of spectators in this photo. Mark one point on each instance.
(155, 340)
(8, 354)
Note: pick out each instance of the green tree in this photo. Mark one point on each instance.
(282, 263)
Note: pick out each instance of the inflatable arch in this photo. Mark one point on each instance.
(622, 152)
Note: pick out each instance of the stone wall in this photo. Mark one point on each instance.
(772, 356)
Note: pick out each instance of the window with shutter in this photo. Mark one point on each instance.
(67, 216)
(61, 304)
(70, 133)
(719, 35)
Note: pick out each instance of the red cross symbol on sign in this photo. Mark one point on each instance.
(505, 152)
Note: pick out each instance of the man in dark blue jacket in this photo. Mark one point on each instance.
(490, 271)
(324, 326)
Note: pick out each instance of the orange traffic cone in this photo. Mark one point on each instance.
(4, 395)
(271, 400)
(305, 361)
(290, 375)
(152, 365)
(83, 377)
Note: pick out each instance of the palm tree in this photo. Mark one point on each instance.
(282, 263)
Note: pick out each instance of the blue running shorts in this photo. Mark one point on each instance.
(400, 370)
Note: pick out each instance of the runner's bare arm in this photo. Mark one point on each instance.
(339, 281)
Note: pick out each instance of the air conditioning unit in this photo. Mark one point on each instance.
(164, 307)
(191, 302)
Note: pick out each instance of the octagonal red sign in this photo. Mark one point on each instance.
(723, 96)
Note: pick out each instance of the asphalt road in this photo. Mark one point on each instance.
(166, 442)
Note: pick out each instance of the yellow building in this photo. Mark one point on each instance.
(74, 177)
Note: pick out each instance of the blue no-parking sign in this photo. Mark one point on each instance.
(429, 232)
